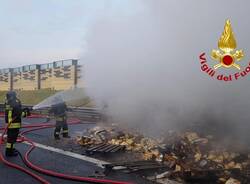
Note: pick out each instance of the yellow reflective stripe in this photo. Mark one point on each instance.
(10, 116)
(65, 131)
(59, 119)
(57, 133)
(7, 107)
(8, 145)
(23, 113)
(15, 125)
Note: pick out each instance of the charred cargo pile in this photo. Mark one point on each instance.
(186, 156)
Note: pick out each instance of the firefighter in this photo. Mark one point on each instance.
(59, 110)
(13, 118)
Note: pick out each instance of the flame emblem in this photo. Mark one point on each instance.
(227, 55)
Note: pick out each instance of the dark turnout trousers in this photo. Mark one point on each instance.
(61, 123)
(12, 135)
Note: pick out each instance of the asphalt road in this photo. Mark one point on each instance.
(56, 161)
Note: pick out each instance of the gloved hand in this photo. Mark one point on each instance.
(26, 112)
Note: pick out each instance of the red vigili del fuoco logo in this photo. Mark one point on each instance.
(226, 56)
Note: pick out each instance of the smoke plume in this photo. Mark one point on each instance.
(145, 66)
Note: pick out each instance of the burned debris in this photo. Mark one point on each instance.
(104, 148)
(184, 157)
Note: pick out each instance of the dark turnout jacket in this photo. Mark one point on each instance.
(13, 113)
(59, 111)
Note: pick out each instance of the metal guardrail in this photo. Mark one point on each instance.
(83, 113)
(86, 113)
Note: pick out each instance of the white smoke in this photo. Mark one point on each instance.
(146, 66)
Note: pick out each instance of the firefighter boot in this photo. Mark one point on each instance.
(10, 151)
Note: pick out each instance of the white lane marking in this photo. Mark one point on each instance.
(97, 162)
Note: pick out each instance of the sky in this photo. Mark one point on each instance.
(34, 31)
(140, 56)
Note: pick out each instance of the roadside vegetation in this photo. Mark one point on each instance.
(36, 96)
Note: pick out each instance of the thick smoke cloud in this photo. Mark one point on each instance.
(146, 67)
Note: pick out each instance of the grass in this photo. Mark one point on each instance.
(30, 97)
(35, 96)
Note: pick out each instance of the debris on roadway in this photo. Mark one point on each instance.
(188, 156)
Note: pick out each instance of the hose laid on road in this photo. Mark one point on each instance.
(38, 178)
(64, 176)
(15, 166)
(53, 173)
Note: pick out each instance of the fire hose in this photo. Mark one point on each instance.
(38, 178)
(42, 170)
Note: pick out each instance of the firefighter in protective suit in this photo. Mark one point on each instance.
(59, 110)
(13, 119)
